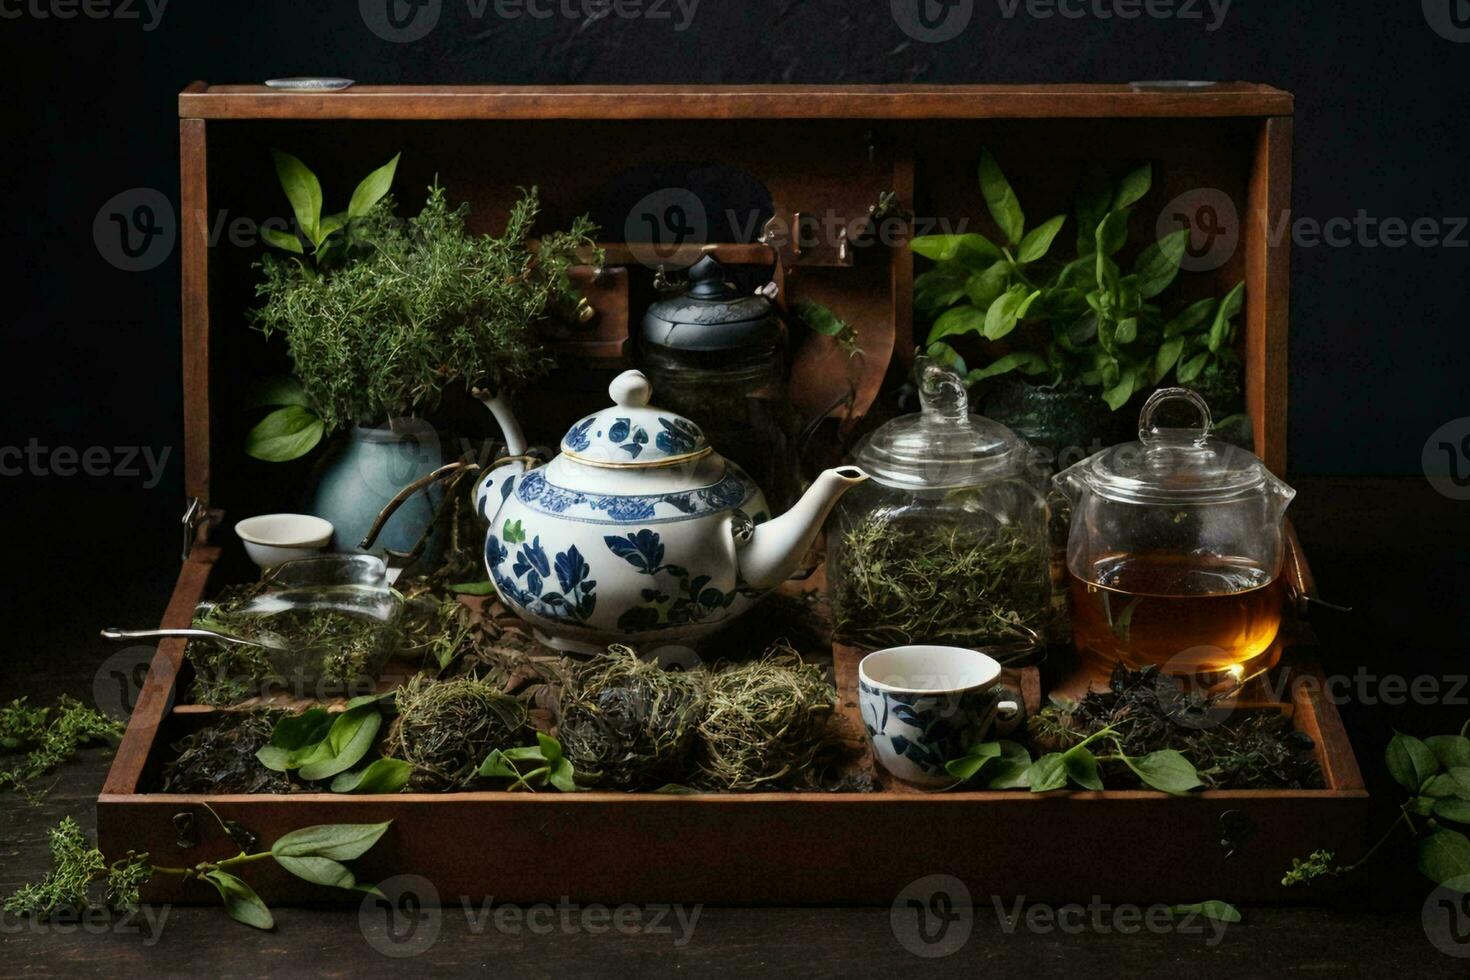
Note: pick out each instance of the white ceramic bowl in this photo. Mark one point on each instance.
(274, 538)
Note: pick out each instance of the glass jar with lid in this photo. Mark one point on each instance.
(1175, 550)
(947, 542)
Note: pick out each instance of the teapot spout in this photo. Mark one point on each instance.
(510, 429)
(776, 548)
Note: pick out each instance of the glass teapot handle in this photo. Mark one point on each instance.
(1148, 431)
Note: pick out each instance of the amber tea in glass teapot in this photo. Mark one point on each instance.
(1175, 551)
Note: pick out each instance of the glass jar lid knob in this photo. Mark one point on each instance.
(1151, 433)
(942, 394)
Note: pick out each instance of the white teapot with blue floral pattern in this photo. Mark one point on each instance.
(638, 532)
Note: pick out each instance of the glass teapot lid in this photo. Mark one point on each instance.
(1177, 465)
(633, 434)
(943, 445)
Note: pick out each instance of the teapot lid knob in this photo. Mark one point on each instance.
(631, 389)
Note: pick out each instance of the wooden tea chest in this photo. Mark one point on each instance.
(819, 153)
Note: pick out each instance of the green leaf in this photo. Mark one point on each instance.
(1454, 809)
(1158, 265)
(1009, 772)
(1000, 199)
(939, 288)
(1192, 367)
(972, 250)
(821, 319)
(1443, 785)
(1410, 761)
(1450, 750)
(280, 390)
(1229, 307)
(1112, 234)
(956, 321)
(984, 287)
(338, 841)
(474, 588)
(497, 766)
(948, 356)
(967, 765)
(285, 434)
(562, 776)
(1216, 910)
(1047, 773)
(1024, 361)
(1421, 805)
(1007, 311)
(294, 739)
(318, 870)
(1133, 187)
(1081, 766)
(550, 747)
(1167, 357)
(1167, 771)
(283, 240)
(1093, 204)
(381, 776)
(302, 190)
(349, 740)
(1127, 331)
(1038, 240)
(1079, 273)
(1444, 855)
(373, 188)
(1119, 394)
(1192, 316)
(241, 902)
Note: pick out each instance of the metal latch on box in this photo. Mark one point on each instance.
(196, 515)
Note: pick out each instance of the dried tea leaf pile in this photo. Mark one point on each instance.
(628, 723)
(928, 581)
(221, 758)
(765, 722)
(445, 729)
(1149, 712)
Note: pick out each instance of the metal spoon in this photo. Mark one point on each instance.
(273, 643)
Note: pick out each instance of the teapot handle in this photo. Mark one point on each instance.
(1148, 431)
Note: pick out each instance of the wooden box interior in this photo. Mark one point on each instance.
(824, 152)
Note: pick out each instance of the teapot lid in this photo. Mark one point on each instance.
(632, 434)
(1178, 465)
(943, 445)
(712, 315)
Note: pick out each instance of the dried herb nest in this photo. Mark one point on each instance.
(765, 722)
(628, 723)
(445, 729)
(911, 581)
(221, 758)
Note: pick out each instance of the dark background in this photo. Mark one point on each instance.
(1378, 340)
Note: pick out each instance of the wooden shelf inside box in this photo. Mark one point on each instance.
(790, 848)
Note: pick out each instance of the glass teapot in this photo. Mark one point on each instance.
(1175, 551)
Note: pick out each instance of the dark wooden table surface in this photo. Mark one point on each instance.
(1395, 550)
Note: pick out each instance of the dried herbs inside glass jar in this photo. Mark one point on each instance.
(948, 541)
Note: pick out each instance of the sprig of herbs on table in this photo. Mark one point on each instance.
(1436, 774)
(1008, 765)
(48, 737)
(313, 854)
(1086, 321)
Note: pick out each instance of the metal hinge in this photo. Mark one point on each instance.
(195, 514)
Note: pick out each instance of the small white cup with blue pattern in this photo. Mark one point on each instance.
(925, 705)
